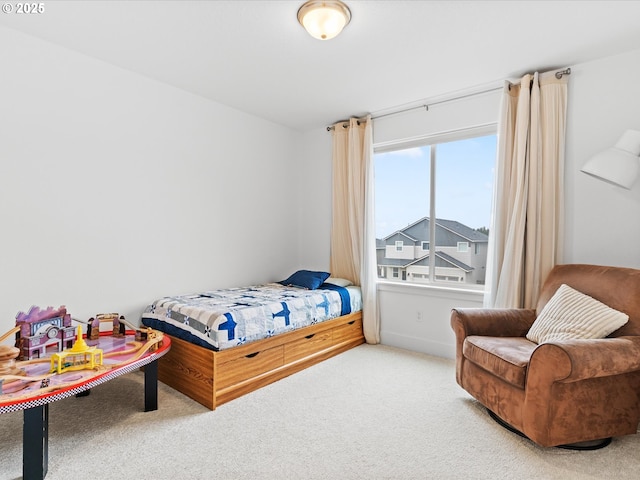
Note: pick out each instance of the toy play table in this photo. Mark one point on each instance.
(34, 398)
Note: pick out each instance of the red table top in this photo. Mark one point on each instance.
(120, 357)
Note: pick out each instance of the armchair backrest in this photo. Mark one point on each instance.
(616, 287)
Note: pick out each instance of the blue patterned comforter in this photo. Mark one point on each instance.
(221, 319)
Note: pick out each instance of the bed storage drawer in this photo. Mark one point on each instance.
(248, 366)
(348, 331)
(307, 345)
(216, 377)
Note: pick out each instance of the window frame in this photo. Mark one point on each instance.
(463, 247)
(432, 140)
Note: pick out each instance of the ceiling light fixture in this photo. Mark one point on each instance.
(324, 20)
(617, 164)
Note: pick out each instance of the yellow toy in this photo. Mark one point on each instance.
(79, 357)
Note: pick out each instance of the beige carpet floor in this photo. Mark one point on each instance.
(373, 412)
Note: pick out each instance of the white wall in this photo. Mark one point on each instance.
(416, 317)
(117, 189)
(441, 118)
(602, 221)
(314, 199)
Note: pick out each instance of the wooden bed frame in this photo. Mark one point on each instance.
(213, 378)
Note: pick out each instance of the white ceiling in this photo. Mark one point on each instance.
(254, 56)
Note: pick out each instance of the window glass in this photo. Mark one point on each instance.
(462, 190)
(463, 247)
(401, 189)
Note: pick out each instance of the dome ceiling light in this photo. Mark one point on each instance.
(324, 20)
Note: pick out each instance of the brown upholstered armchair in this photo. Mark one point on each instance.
(565, 391)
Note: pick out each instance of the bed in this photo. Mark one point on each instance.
(228, 342)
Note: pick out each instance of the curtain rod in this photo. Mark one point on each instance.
(559, 75)
(425, 106)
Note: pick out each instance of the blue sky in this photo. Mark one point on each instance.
(464, 184)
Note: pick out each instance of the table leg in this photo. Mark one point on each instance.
(151, 386)
(35, 440)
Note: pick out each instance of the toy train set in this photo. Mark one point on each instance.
(38, 331)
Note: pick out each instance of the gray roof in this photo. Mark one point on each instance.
(463, 230)
(442, 260)
(403, 234)
(395, 262)
(419, 231)
(454, 261)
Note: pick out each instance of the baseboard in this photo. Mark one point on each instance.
(423, 345)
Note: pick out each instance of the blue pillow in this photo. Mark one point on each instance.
(306, 279)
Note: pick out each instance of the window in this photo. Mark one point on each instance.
(399, 246)
(448, 178)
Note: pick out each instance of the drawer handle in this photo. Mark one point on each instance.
(251, 355)
(310, 336)
(352, 322)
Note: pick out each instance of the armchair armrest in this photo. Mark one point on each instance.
(494, 322)
(575, 360)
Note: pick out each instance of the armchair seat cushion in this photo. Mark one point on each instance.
(505, 357)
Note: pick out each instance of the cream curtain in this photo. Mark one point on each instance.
(353, 250)
(526, 234)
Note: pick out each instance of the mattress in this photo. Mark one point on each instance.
(224, 318)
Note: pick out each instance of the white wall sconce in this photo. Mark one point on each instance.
(617, 164)
(324, 20)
